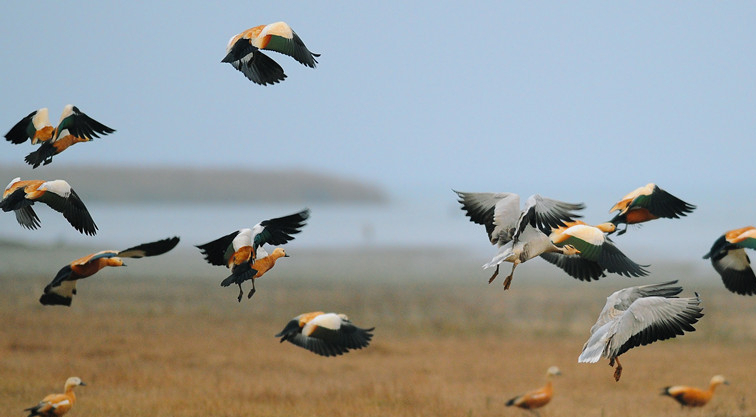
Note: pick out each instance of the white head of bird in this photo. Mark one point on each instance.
(718, 380)
(72, 382)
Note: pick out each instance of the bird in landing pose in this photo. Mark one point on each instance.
(242, 252)
(521, 234)
(638, 316)
(74, 127)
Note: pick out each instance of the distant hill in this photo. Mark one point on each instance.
(157, 184)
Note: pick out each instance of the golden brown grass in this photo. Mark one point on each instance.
(446, 344)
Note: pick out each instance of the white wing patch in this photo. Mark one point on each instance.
(13, 181)
(59, 187)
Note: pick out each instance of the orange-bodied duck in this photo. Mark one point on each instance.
(648, 203)
(639, 316)
(536, 398)
(243, 52)
(596, 253)
(694, 397)
(19, 196)
(242, 252)
(74, 127)
(520, 234)
(327, 334)
(56, 405)
(63, 287)
(730, 260)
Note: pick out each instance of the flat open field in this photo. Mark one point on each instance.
(162, 338)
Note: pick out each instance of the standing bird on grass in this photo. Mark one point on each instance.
(243, 52)
(730, 260)
(327, 334)
(648, 203)
(597, 253)
(63, 287)
(536, 398)
(74, 127)
(694, 397)
(638, 316)
(242, 251)
(19, 196)
(519, 233)
(56, 405)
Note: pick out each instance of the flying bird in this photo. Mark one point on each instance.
(648, 203)
(63, 287)
(242, 252)
(596, 252)
(730, 260)
(536, 398)
(19, 196)
(327, 334)
(74, 127)
(638, 316)
(56, 405)
(694, 397)
(243, 52)
(520, 234)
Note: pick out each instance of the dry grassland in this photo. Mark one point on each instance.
(446, 343)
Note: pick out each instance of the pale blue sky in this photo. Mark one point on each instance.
(581, 101)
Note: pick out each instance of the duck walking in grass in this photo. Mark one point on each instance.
(242, 251)
(694, 397)
(536, 398)
(729, 258)
(74, 127)
(19, 196)
(638, 316)
(520, 234)
(596, 252)
(243, 52)
(56, 405)
(326, 334)
(648, 203)
(63, 287)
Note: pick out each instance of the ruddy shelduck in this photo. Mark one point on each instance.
(242, 252)
(243, 52)
(327, 334)
(74, 127)
(648, 203)
(596, 252)
(537, 398)
(63, 287)
(56, 405)
(730, 260)
(521, 234)
(694, 397)
(19, 196)
(638, 316)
